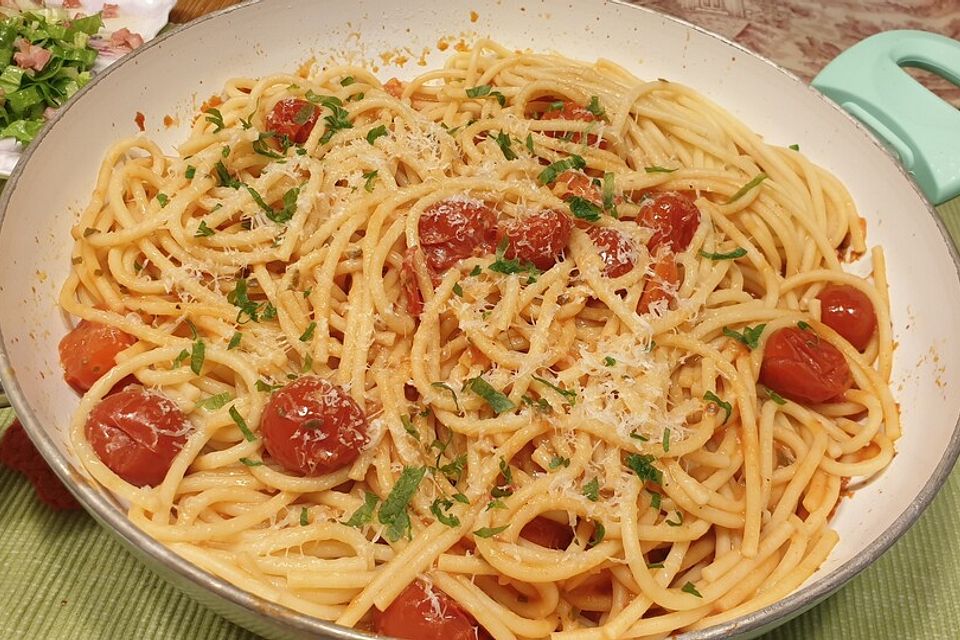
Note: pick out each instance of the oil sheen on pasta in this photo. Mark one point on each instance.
(575, 343)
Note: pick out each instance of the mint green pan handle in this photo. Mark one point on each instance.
(868, 82)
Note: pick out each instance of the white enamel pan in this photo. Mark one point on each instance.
(174, 74)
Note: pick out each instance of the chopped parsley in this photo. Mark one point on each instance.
(224, 178)
(550, 173)
(370, 177)
(266, 387)
(582, 208)
(503, 141)
(212, 403)
(608, 195)
(260, 146)
(307, 335)
(163, 199)
(655, 499)
(338, 119)
(678, 522)
(592, 490)
(803, 325)
(595, 108)
(183, 355)
(498, 401)
(609, 361)
(347, 81)
(197, 355)
(375, 133)
(393, 511)
(203, 231)
(234, 341)
(241, 424)
(710, 396)
(364, 514)
(214, 116)
(513, 265)
(439, 509)
(658, 169)
(489, 532)
(190, 172)
(666, 440)
(250, 309)
(458, 290)
(304, 517)
(559, 461)
(642, 465)
(568, 394)
(483, 90)
(773, 395)
(280, 216)
(795, 147)
(638, 436)
(453, 394)
(760, 177)
(251, 463)
(739, 252)
(529, 143)
(599, 533)
(692, 590)
(750, 335)
(409, 428)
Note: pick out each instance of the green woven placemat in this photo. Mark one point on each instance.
(65, 578)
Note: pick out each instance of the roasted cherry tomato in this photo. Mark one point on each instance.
(539, 238)
(313, 427)
(89, 351)
(570, 110)
(666, 276)
(547, 533)
(674, 219)
(800, 365)
(616, 250)
(423, 612)
(137, 434)
(849, 312)
(293, 118)
(579, 184)
(455, 229)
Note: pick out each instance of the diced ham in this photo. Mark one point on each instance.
(30, 56)
(124, 39)
(110, 10)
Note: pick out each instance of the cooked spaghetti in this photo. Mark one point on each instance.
(522, 348)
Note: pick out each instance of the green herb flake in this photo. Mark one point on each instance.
(241, 424)
(459, 497)
(393, 511)
(347, 81)
(638, 436)
(568, 394)
(509, 266)
(498, 401)
(609, 361)
(795, 147)
(266, 387)
(559, 461)
(739, 252)
(642, 465)
(599, 533)
(666, 440)
(203, 231)
(197, 355)
(376, 132)
(582, 208)
(251, 463)
(212, 403)
(656, 500)
(489, 532)
(453, 394)
(224, 179)
(529, 143)
(594, 107)
(364, 514)
(503, 141)
(678, 522)
(408, 427)
(592, 490)
(234, 341)
(190, 172)
(304, 517)
(479, 91)
(260, 145)
(710, 396)
(692, 590)
(773, 395)
(307, 335)
(803, 325)
(750, 335)
(658, 169)
(183, 355)
(609, 194)
(654, 565)
(307, 364)
(214, 116)
(370, 177)
(760, 177)
(454, 469)
(163, 199)
(550, 173)
(439, 509)
(476, 270)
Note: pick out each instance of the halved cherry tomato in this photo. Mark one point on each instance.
(616, 250)
(800, 365)
(570, 110)
(137, 434)
(424, 612)
(538, 238)
(455, 229)
(89, 351)
(293, 118)
(579, 184)
(547, 533)
(666, 275)
(674, 219)
(313, 427)
(849, 312)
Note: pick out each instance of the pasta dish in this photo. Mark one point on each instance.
(525, 347)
